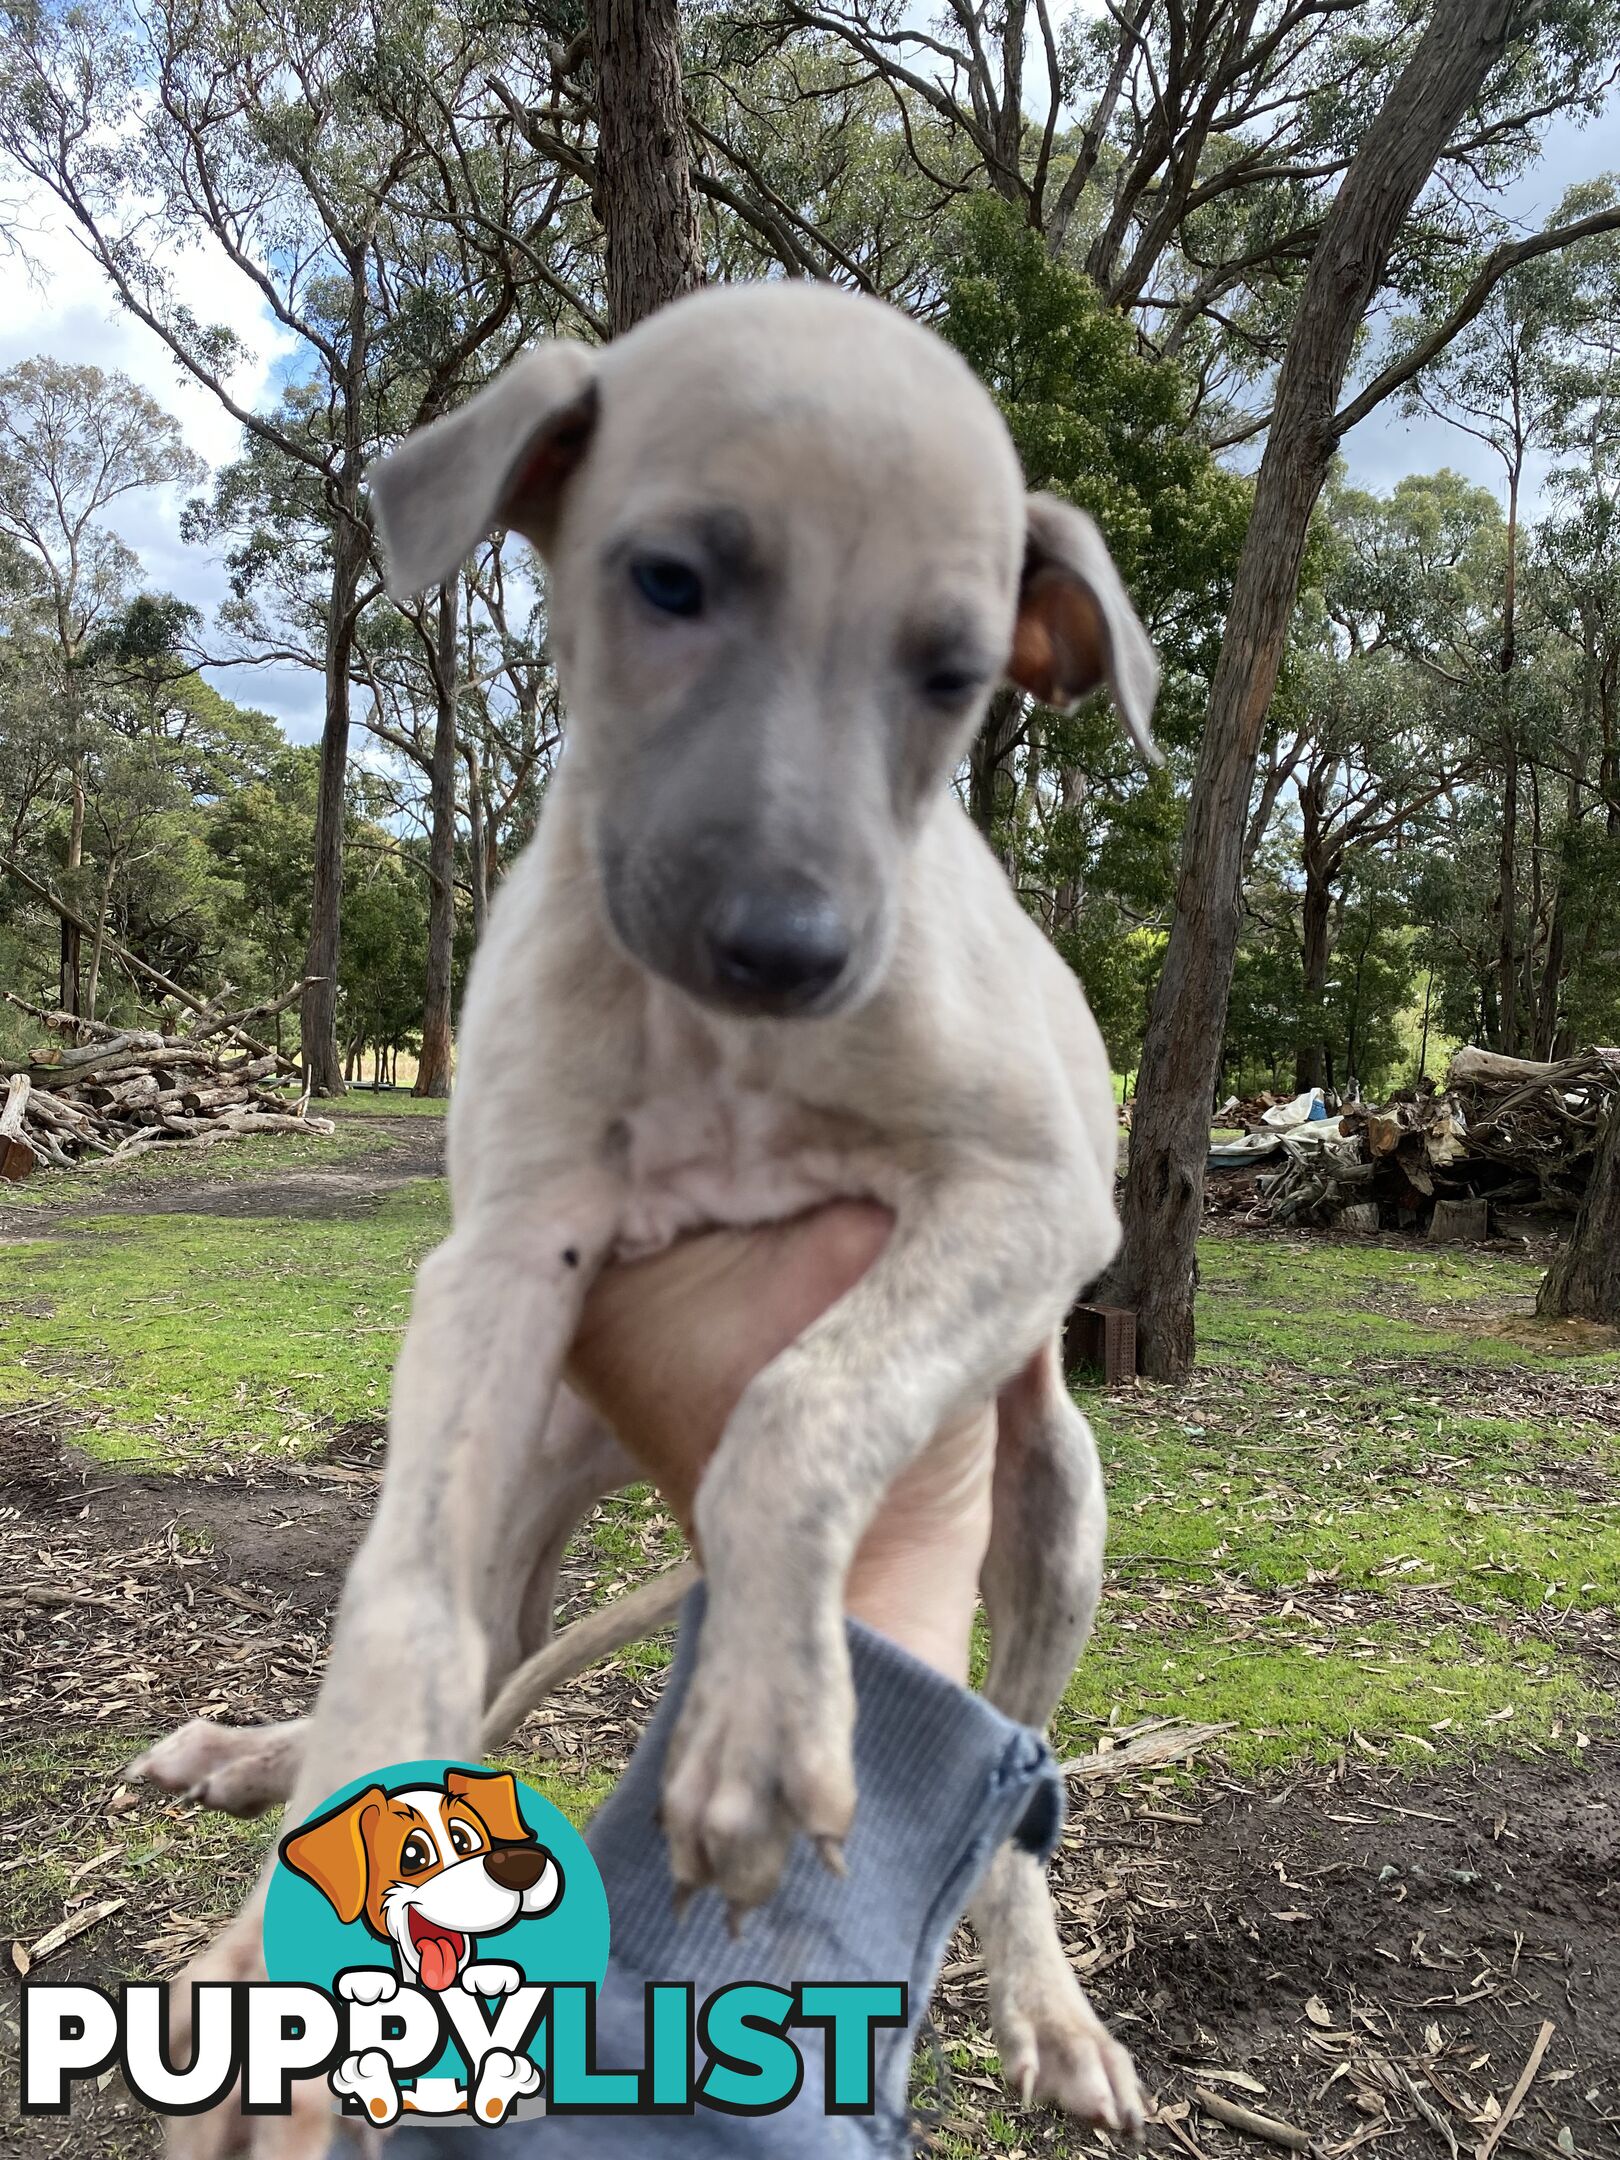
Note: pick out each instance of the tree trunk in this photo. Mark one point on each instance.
(643, 170)
(317, 1012)
(1583, 1283)
(1507, 1000)
(1423, 1045)
(67, 988)
(1554, 961)
(433, 1071)
(987, 760)
(1507, 972)
(1316, 915)
(98, 944)
(1067, 900)
(1181, 1055)
(475, 841)
(1310, 1056)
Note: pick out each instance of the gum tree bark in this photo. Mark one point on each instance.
(644, 193)
(433, 1069)
(1583, 1283)
(317, 1012)
(1155, 1271)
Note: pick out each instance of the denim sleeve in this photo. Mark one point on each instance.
(943, 1779)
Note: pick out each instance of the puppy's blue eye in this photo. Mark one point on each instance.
(668, 584)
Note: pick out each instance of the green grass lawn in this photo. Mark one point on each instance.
(65, 1194)
(1369, 1522)
(1360, 1526)
(385, 1102)
(1377, 1523)
(165, 1336)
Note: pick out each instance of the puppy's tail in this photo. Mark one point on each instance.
(626, 1619)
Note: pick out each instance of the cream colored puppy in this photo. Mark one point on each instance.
(755, 958)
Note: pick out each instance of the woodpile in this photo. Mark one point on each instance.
(1500, 1133)
(104, 1094)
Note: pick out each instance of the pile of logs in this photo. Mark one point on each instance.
(1500, 1133)
(104, 1094)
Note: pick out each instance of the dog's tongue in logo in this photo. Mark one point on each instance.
(475, 1887)
(440, 1950)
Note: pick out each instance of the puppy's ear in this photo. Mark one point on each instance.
(1076, 626)
(492, 1795)
(331, 1852)
(499, 460)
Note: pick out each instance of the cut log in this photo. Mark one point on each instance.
(133, 1089)
(1470, 1065)
(18, 1089)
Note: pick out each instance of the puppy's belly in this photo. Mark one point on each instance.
(718, 1158)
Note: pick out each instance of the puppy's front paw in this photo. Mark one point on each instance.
(1055, 2047)
(491, 1979)
(368, 1984)
(304, 2133)
(762, 1752)
(239, 1769)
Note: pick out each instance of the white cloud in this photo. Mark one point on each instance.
(64, 306)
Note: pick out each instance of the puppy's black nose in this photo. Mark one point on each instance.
(515, 1867)
(780, 944)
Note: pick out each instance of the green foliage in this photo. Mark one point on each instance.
(384, 944)
(1097, 421)
(1087, 834)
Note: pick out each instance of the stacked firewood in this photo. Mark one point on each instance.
(104, 1094)
(1500, 1133)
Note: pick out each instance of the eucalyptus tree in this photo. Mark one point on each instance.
(1184, 152)
(34, 784)
(74, 442)
(354, 173)
(1504, 381)
(1473, 66)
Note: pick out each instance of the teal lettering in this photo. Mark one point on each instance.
(753, 2068)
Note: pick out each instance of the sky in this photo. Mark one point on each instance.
(60, 305)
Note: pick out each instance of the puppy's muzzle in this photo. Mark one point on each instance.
(516, 1867)
(776, 946)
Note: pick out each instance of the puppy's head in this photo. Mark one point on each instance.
(429, 1869)
(791, 556)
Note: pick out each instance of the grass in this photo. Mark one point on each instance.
(1356, 1523)
(161, 1335)
(1377, 1524)
(257, 1155)
(361, 1102)
(59, 1788)
(1353, 1527)
(1303, 1693)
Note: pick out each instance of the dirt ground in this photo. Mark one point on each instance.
(1367, 1957)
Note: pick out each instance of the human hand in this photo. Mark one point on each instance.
(667, 1345)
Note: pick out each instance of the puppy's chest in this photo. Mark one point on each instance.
(718, 1137)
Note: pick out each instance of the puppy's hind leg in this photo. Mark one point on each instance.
(1041, 1581)
(243, 1769)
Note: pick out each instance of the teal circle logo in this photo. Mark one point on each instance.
(436, 1902)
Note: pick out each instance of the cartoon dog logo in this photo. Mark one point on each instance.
(430, 1870)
